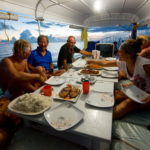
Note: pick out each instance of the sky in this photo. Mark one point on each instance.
(58, 30)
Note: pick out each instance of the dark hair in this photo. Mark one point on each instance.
(42, 36)
(131, 47)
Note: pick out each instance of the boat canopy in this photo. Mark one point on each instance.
(84, 13)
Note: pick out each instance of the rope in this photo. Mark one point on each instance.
(5, 31)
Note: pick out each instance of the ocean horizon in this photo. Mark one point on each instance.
(6, 49)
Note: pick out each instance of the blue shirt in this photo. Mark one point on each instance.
(36, 59)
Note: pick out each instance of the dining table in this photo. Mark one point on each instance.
(94, 131)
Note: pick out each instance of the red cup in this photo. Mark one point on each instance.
(86, 87)
(47, 90)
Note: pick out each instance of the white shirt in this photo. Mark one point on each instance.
(139, 76)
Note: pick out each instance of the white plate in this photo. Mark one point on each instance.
(103, 87)
(55, 80)
(12, 103)
(109, 74)
(135, 93)
(57, 97)
(100, 99)
(80, 63)
(110, 58)
(111, 68)
(63, 116)
(99, 72)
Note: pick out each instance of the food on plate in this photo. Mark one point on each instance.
(94, 66)
(32, 103)
(89, 71)
(69, 92)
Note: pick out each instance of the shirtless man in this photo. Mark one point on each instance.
(15, 76)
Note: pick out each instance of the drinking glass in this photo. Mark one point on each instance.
(47, 90)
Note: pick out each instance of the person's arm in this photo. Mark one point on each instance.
(38, 69)
(104, 63)
(20, 75)
(146, 100)
(147, 69)
(83, 52)
(145, 52)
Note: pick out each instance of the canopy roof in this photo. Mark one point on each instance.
(81, 12)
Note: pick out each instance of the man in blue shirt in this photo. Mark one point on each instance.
(40, 58)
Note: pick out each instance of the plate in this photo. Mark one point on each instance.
(57, 97)
(91, 79)
(90, 72)
(12, 104)
(109, 74)
(107, 87)
(135, 93)
(80, 63)
(111, 68)
(55, 80)
(103, 99)
(63, 116)
(110, 58)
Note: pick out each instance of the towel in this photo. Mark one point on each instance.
(84, 36)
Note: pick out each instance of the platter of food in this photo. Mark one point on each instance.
(93, 66)
(30, 104)
(63, 116)
(90, 72)
(68, 92)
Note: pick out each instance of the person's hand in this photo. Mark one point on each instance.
(119, 95)
(122, 75)
(40, 69)
(43, 77)
(146, 100)
(59, 72)
(127, 84)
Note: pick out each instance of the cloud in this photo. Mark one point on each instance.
(42, 24)
(9, 27)
(46, 24)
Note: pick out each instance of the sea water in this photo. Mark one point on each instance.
(6, 49)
